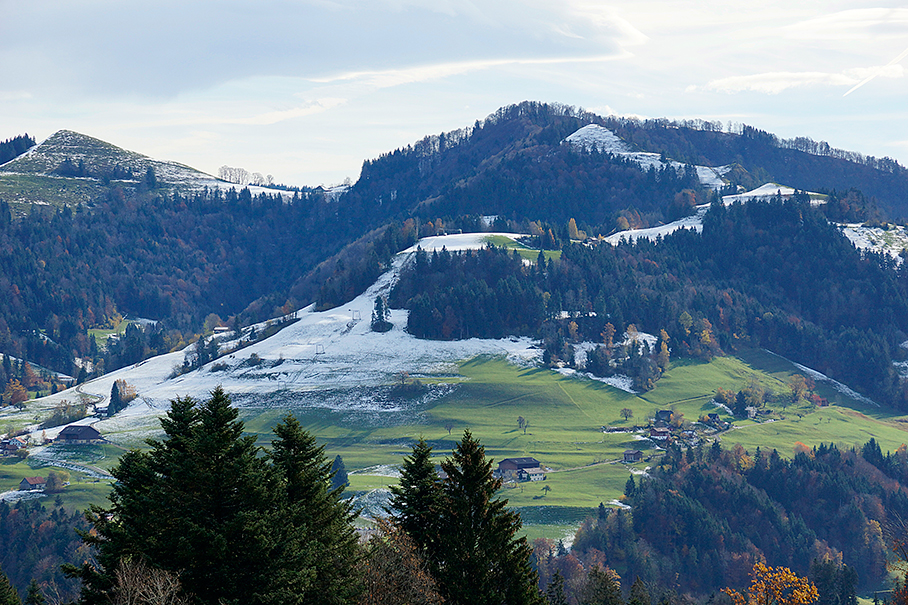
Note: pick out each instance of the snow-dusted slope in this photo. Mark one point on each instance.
(333, 349)
(595, 137)
(892, 240)
(763, 192)
(43, 159)
(694, 222)
(768, 191)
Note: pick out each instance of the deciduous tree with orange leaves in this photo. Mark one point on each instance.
(775, 586)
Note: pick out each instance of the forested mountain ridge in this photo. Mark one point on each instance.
(134, 235)
(476, 170)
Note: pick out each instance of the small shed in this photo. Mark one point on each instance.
(30, 483)
(633, 455)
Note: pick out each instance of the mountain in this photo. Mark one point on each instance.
(118, 233)
(69, 168)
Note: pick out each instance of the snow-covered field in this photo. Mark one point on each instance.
(891, 241)
(767, 191)
(594, 137)
(323, 350)
(694, 222)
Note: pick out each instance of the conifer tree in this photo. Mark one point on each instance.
(321, 522)
(339, 478)
(639, 594)
(8, 594)
(481, 561)
(235, 526)
(416, 499)
(602, 588)
(554, 593)
(34, 595)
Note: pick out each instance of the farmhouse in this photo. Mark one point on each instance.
(30, 483)
(9, 447)
(78, 434)
(515, 468)
(531, 474)
(633, 455)
(659, 433)
(664, 416)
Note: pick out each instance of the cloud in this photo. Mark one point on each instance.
(422, 73)
(871, 24)
(165, 48)
(773, 83)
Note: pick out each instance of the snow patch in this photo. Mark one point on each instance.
(593, 137)
(619, 381)
(891, 241)
(379, 470)
(322, 351)
(820, 377)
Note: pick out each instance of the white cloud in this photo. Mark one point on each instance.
(159, 50)
(774, 83)
(870, 24)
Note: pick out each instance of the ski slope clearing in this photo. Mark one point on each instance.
(322, 350)
(593, 137)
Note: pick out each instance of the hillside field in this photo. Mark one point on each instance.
(566, 415)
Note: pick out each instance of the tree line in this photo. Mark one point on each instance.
(703, 517)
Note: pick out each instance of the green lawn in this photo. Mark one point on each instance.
(81, 491)
(502, 241)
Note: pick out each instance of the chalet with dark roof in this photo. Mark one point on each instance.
(515, 468)
(79, 434)
(664, 416)
(633, 456)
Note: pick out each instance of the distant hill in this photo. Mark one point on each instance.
(69, 168)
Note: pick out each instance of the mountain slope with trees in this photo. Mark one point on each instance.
(129, 245)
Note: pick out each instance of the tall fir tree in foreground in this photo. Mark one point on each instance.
(480, 558)
(415, 500)
(235, 526)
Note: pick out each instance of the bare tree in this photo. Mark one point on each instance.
(395, 570)
(449, 425)
(627, 413)
(139, 584)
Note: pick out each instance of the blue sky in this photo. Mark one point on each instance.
(306, 90)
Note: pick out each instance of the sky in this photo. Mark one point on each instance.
(305, 90)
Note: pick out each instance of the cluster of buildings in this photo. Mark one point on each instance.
(73, 434)
(11, 446)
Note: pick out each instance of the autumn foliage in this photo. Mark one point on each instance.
(775, 586)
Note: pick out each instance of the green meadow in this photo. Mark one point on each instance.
(565, 418)
(531, 254)
(565, 421)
